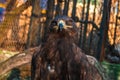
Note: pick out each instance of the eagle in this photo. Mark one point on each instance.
(59, 58)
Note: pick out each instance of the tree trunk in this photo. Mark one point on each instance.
(59, 10)
(103, 30)
(33, 37)
(91, 35)
(85, 27)
(81, 24)
(74, 8)
(66, 7)
(49, 16)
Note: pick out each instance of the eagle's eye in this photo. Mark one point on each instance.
(53, 23)
(53, 26)
(69, 22)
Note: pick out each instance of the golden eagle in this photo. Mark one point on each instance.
(59, 58)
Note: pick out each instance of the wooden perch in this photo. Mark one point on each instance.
(17, 60)
(90, 22)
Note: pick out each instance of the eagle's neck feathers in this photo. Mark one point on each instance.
(57, 45)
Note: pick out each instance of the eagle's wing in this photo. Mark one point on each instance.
(35, 64)
(87, 70)
(78, 68)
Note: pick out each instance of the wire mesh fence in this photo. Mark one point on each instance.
(14, 31)
(15, 27)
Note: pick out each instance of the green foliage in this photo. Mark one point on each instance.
(28, 78)
(14, 75)
(92, 1)
(79, 1)
(113, 70)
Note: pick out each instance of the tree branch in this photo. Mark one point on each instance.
(21, 8)
(90, 22)
(10, 5)
(17, 60)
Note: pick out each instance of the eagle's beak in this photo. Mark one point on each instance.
(60, 26)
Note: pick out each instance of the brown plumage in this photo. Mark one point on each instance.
(60, 58)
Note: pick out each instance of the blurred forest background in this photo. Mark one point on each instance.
(24, 24)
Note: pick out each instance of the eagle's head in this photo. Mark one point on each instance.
(63, 25)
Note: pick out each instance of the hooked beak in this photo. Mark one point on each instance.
(60, 27)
